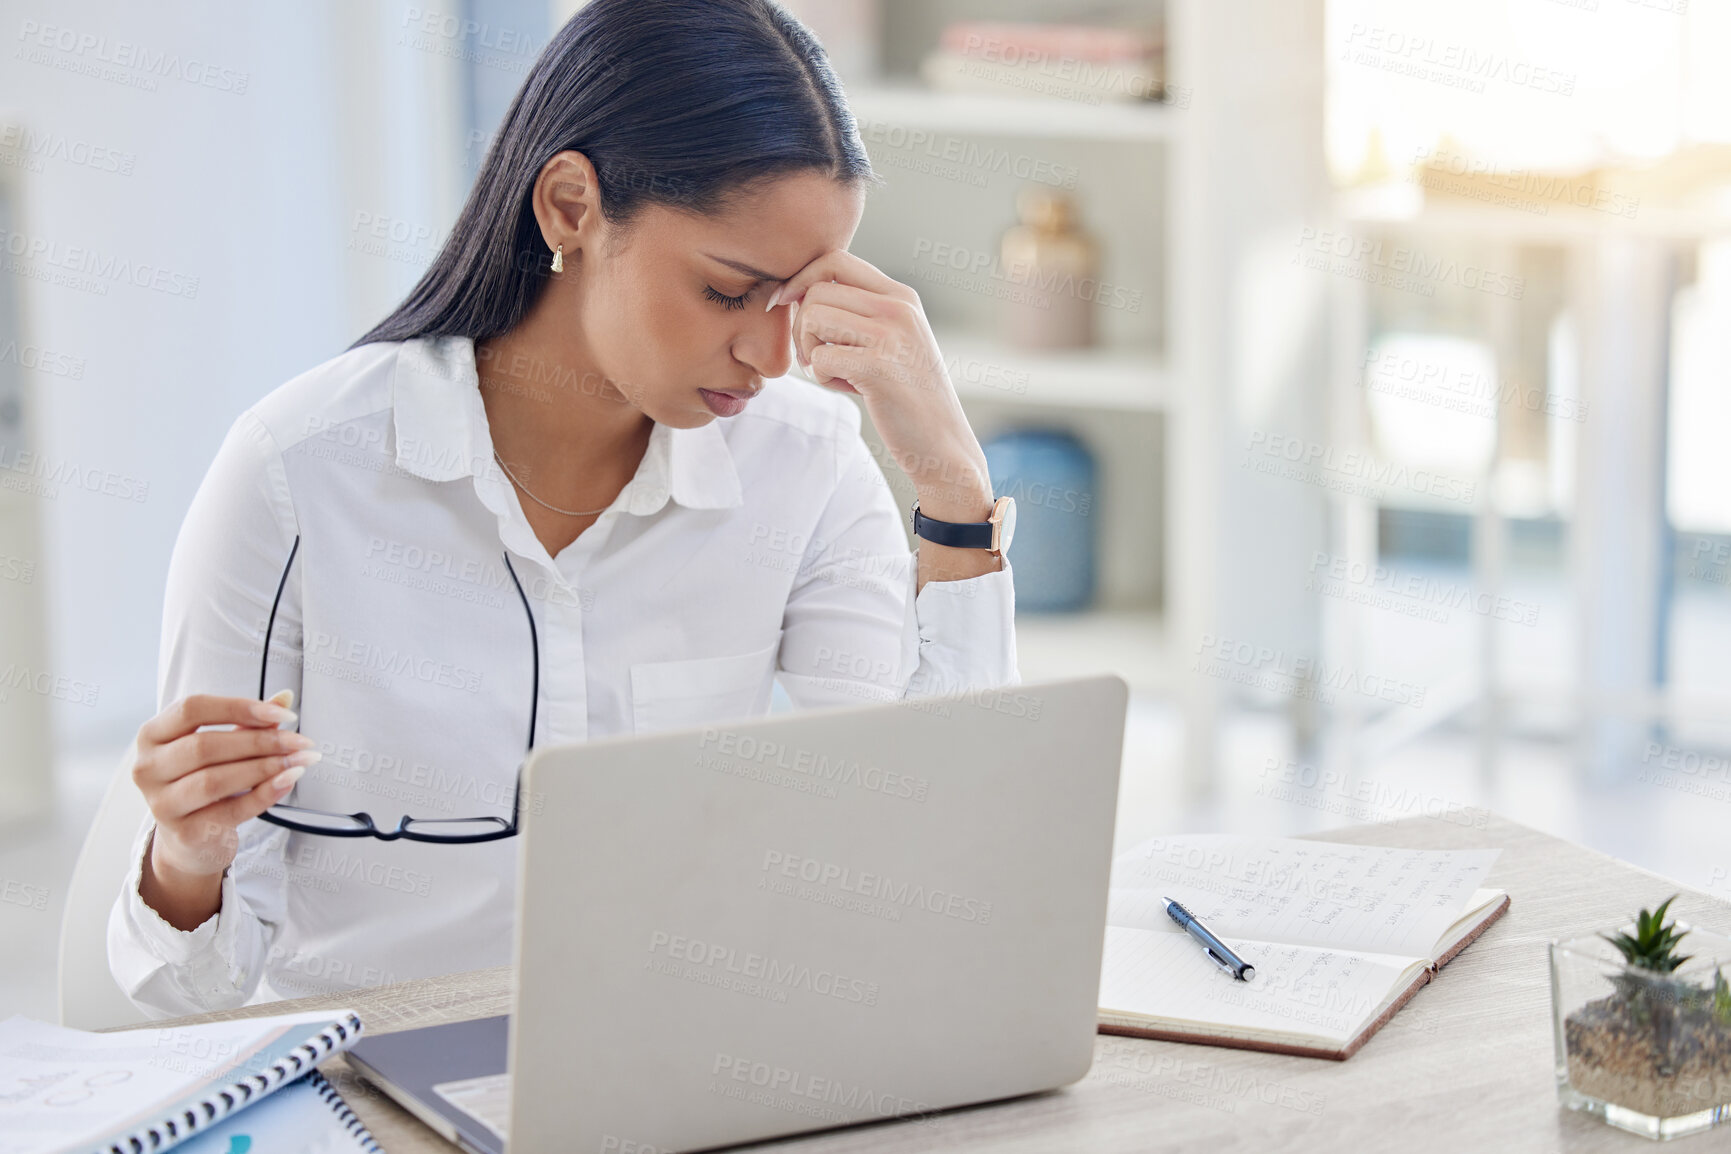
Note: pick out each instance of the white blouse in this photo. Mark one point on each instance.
(361, 501)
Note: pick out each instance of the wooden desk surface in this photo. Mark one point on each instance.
(1465, 1066)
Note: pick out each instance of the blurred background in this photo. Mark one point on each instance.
(1362, 370)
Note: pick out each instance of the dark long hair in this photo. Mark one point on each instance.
(675, 102)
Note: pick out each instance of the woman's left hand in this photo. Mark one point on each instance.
(862, 332)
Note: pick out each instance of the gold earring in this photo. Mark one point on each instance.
(559, 259)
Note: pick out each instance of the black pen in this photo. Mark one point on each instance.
(1217, 949)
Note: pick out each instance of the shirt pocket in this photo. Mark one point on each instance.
(679, 694)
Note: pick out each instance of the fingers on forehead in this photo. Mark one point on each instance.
(838, 265)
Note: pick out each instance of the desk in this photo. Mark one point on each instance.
(1465, 1066)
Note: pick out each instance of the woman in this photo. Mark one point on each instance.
(551, 498)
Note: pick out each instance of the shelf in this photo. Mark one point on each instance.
(1407, 207)
(1102, 378)
(915, 107)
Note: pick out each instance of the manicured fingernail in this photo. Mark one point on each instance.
(274, 714)
(284, 698)
(303, 759)
(287, 777)
(773, 297)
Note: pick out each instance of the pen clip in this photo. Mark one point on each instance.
(1220, 961)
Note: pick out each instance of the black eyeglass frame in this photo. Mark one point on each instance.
(366, 827)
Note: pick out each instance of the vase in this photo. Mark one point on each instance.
(1051, 475)
(1648, 1052)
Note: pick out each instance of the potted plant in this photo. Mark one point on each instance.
(1643, 1031)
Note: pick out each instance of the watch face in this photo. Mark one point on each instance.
(1007, 525)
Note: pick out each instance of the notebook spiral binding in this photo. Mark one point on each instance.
(346, 1116)
(298, 1061)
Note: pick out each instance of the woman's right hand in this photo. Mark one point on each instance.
(201, 785)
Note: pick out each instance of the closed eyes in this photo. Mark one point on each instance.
(726, 301)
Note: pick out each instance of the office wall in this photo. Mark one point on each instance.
(214, 199)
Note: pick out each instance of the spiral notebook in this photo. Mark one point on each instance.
(150, 1089)
(307, 1116)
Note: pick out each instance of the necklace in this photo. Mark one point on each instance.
(537, 500)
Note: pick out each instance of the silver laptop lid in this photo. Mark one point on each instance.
(800, 921)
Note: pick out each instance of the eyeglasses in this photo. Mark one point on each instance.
(449, 830)
(454, 830)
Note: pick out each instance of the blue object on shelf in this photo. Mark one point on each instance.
(1051, 475)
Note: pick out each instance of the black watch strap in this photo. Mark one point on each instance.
(956, 534)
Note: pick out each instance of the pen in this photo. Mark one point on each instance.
(1217, 949)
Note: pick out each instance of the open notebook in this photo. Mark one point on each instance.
(1340, 935)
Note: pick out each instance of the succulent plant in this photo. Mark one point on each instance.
(1654, 944)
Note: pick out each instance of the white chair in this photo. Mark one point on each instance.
(89, 997)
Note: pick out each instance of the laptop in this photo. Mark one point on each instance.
(757, 928)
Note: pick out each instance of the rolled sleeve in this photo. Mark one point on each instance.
(167, 971)
(961, 635)
(857, 627)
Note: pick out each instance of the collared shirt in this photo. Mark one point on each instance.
(357, 514)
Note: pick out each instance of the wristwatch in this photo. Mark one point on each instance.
(992, 535)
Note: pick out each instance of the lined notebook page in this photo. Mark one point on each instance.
(1368, 899)
(1297, 989)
